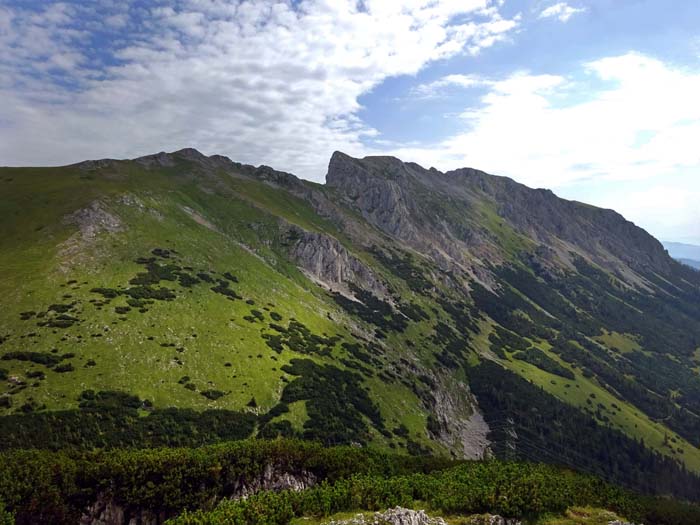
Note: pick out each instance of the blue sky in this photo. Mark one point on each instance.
(595, 99)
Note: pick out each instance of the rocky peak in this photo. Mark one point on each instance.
(346, 172)
(376, 188)
(189, 154)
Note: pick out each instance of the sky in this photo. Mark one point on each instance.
(598, 100)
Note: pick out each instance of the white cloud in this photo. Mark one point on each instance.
(437, 87)
(117, 21)
(562, 11)
(669, 211)
(260, 81)
(624, 117)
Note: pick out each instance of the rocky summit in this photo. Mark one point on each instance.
(184, 299)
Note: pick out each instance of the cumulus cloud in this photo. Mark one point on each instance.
(628, 117)
(261, 81)
(561, 11)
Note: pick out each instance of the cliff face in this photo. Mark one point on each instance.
(331, 264)
(603, 234)
(435, 211)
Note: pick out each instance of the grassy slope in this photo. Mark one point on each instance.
(627, 418)
(240, 235)
(581, 390)
(126, 358)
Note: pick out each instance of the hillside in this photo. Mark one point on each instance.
(178, 299)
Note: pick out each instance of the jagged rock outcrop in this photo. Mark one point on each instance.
(326, 260)
(459, 424)
(413, 205)
(106, 511)
(377, 189)
(273, 477)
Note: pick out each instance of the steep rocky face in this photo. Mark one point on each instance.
(418, 206)
(459, 424)
(547, 218)
(329, 263)
(400, 200)
(378, 188)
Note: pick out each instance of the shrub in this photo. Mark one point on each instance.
(212, 394)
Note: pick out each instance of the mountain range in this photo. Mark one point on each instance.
(688, 254)
(179, 298)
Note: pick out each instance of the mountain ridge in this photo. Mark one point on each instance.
(288, 179)
(193, 282)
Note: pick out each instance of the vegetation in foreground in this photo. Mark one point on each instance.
(185, 484)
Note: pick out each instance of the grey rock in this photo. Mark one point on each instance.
(325, 259)
(491, 519)
(94, 219)
(461, 427)
(395, 516)
(441, 214)
(273, 477)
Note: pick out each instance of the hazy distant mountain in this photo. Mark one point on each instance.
(690, 262)
(686, 253)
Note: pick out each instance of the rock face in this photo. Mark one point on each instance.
(107, 511)
(461, 427)
(545, 217)
(441, 214)
(376, 188)
(330, 263)
(273, 477)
